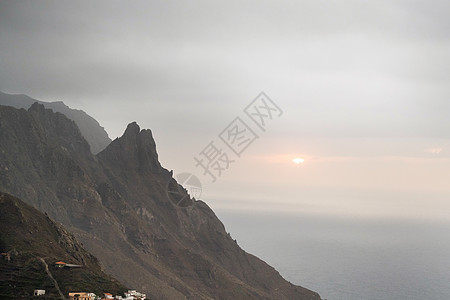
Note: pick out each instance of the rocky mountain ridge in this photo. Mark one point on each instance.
(91, 130)
(129, 211)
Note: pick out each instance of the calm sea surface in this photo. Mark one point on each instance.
(344, 259)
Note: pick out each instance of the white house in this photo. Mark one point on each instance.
(39, 292)
(108, 296)
(81, 296)
(133, 294)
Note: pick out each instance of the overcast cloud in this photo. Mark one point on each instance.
(339, 69)
(347, 57)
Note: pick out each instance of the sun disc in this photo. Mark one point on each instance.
(298, 160)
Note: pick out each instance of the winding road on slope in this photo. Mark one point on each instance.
(51, 277)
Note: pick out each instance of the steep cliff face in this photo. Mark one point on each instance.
(45, 161)
(33, 243)
(91, 130)
(130, 212)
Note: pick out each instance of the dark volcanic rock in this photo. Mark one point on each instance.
(91, 130)
(130, 212)
(32, 240)
(135, 151)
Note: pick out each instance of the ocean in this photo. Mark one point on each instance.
(350, 259)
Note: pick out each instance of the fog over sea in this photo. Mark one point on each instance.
(349, 259)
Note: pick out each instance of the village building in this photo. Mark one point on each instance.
(38, 292)
(108, 296)
(81, 296)
(60, 264)
(133, 294)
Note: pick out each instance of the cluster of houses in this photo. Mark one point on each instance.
(130, 295)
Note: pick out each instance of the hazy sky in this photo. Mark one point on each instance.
(364, 88)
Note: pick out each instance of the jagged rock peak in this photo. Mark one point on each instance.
(133, 135)
(132, 129)
(135, 149)
(37, 107)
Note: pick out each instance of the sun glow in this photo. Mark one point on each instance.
(298, 160)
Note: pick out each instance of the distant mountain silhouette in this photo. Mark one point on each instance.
(129, 211)
(91, 130)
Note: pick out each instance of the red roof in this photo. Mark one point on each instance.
(60, 263)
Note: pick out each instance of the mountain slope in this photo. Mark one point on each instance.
(34, 243)
(91, 130)
(129, 211)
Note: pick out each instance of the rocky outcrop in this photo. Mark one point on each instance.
(135, 151)
(91, 130)
(130, 212)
